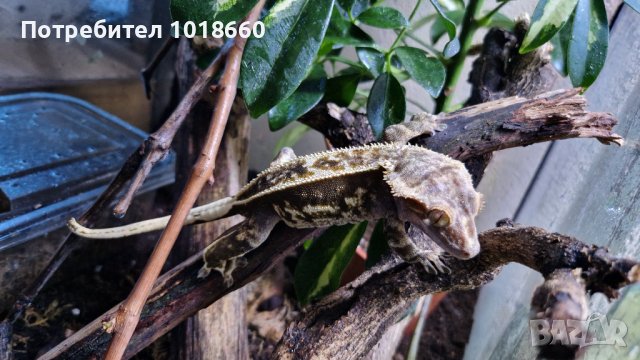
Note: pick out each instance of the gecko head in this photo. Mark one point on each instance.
(450, 223)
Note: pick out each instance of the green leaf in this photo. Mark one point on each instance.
(210, 10)
(354, 7)
(634, 4)
(453, 46)
(306, 96)
(290, 136)
(427, 71)
(341, 89)
(320, 267)
(359, 7)
(548, 18)
(372, 59)
(439, 26)
(383, 17)
(560, 42)
(587, 49)
(501, 20)
(342, 32)
(378, 245)
(386, 105)
(452, 4)
(274, 66)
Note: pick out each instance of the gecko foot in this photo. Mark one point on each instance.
(225, 268)
(432, 263)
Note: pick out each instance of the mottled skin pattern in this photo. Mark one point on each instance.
(403, 184)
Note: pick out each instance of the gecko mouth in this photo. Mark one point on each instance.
(462, 251)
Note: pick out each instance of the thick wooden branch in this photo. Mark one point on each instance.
(484, 128)
(179, 293)
(347, 323)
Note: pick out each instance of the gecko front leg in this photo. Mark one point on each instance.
(225, 254)
(420, 124)
(405, 246)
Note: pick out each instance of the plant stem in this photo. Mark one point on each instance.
(128, 314)
(406, 28)
(485, 19)
(454, 68)
(422, 43)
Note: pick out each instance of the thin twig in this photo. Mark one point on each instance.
(179, 293)
(139, 164)
(157, 145)
(128, 314)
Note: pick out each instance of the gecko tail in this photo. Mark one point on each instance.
(200, 214)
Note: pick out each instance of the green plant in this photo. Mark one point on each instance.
(299, 62)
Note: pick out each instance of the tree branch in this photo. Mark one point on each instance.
(484, 128)
(177, 295)
(128, 314)
(347, 323)
(182, 287)
(137, 167)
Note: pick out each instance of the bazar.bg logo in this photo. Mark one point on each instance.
(596, 330)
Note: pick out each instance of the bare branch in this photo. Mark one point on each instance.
(137, 167)
(177, 295)
(128, 314)
(347, 323)
(158, 144)
(162, 313)
(487, 127)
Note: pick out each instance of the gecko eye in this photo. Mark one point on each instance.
(439, 218)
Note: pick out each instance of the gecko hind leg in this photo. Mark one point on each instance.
(225, 254)
(404, 244)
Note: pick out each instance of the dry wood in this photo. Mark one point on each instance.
(484, 128)
(181, 294)
(125, 320)
(137, 167)
(158, 144)
(220, 330)
(350, 321)
(177, 295)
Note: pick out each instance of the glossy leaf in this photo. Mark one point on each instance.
(321, 266)
(426, 70)
(341, 89)
(452, 4)
(547, 19)
(372, 59)
(386, 104)
(587, 48)
(501, 20)
(342, 32)
(383, 17)
(306, 96)
(354, 7)
(378, 245)
(439, 27)
(453, 46)
(560, 42)
(210, 10)
(274, 66)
